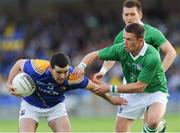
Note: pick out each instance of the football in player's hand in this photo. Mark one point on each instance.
(23, 84)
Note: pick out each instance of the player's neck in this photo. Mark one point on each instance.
(136, 52)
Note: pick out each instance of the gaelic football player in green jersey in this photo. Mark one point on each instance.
(146, 86)
(132, 13)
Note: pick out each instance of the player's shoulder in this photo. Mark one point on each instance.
(72, 79)
(152, 49)
(152, 53)
(118, 37)
(150, 28)
(40, 66)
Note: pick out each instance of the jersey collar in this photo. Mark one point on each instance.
(141, 23)
(141, 53)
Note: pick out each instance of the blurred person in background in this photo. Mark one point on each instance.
(146, 86)
(52, 80)
(132, 13)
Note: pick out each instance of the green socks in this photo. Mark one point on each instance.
(146, 129)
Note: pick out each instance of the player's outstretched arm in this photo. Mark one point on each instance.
(115, 100)
(136, 87)
(17, 68)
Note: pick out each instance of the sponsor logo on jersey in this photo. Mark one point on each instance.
(139, 66)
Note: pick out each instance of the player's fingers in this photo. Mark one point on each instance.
(124, 102)
(78, 72)
(98, 76)
(95, 91)
(15, 93)
(98, 92)
(96, 81)
(11, 89)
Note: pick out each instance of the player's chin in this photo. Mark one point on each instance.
(60, 81)
(127, 50)
(128, 23)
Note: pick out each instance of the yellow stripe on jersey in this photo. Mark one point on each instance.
(40, 66)
(74, 80)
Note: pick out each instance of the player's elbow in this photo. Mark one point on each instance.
(171, 52)
(174, 54)
(19, 63)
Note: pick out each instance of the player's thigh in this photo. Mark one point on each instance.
(123, 124)
(155, 112)
(156, 107)
(61, 124)
(27, 125)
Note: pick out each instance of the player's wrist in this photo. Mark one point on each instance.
(121, 88)
(82, 65)
(113, 89)
(103, 70)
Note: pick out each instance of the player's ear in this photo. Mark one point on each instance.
(141, 39)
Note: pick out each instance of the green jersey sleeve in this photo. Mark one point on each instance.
(154, 36)
(112, 53)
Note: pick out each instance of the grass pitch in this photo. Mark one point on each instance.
(92, 124)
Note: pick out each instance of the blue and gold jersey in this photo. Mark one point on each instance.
(49, 93)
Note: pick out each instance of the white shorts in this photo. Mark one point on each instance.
(29, 111)
(139, 102)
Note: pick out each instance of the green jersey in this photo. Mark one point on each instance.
(145, 67)
(153, 36)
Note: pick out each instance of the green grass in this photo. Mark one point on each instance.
(94, 124)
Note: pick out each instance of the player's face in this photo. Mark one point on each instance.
(132, 43)
(131, 15)
(60, 74)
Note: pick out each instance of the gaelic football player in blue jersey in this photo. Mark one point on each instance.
(52, 80)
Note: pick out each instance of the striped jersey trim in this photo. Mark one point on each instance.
(40, 66)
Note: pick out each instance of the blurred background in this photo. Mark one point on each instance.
(38, 28)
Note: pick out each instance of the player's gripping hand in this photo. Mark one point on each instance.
(117, 100)
(78, 71)
(12, 90)
(98, 77)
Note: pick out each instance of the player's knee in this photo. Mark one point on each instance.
(152, 123)
(67, 128)
(119, 130)
(154, 120)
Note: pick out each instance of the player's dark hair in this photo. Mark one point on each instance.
(136, 29)
(59, 59)
(133, 3)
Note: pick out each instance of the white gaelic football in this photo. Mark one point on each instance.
(23, 84)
